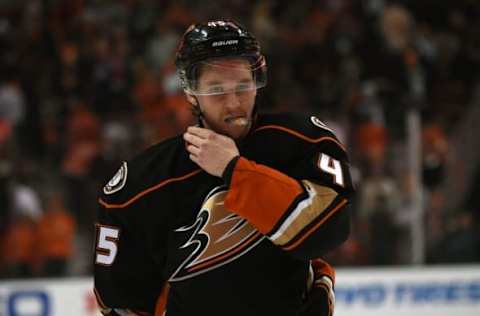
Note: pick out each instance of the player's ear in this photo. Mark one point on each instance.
(195, 108)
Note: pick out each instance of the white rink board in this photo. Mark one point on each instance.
(52, 297)
(438, 291)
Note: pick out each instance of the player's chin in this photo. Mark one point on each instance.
(235, 131)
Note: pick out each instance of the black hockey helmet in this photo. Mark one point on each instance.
(217, 39)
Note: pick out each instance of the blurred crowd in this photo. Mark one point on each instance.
(85, 84)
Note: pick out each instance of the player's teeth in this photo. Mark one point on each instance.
(239, 121)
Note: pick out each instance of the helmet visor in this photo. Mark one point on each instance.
(226, 75)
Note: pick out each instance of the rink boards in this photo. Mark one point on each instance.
(437, 291)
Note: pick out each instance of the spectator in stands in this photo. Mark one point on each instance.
(18, 248)
(54, 239)
(434, 159)
(12, 101)
(83, 167)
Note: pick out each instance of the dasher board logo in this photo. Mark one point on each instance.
(118, 181)
(216, 238)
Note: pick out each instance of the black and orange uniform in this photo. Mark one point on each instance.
(238, 245)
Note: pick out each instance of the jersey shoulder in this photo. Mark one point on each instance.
(146, 170)
(304, 128)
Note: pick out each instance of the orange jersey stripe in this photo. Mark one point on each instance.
(299, 135)
(143, 193)
(161, 307)
(314, 228)
(260, 194)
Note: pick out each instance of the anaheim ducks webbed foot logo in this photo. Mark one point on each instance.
(218, 237)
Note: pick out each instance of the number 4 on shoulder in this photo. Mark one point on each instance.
(331, 166)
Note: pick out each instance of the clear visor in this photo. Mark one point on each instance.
(227, 75)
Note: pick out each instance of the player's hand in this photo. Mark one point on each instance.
(210, 150)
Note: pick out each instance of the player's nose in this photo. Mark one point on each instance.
(232, 101)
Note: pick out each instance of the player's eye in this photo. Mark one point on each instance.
(215, 90)
(244, 86)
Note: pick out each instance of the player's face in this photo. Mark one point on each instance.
(228, 104)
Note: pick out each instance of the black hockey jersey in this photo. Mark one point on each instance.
(240, 245)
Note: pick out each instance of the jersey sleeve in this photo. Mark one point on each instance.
(305, 212)
(127, 278)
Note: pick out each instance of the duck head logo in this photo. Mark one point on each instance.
(217, 237)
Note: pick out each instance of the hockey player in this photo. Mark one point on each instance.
(227, 218)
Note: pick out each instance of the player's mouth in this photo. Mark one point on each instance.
(237, 120)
